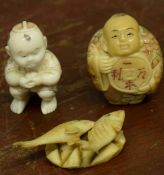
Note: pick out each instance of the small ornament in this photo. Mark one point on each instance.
(31, 68)
(125, 60)
(82, 143)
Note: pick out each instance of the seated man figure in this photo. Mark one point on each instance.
(124, 60)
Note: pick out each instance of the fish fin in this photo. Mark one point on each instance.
(73, 141)
(70, 130)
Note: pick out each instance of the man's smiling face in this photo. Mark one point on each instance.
(122, 35)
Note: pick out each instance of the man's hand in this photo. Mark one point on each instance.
(106, 64)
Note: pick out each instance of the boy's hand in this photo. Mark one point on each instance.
(30, 80)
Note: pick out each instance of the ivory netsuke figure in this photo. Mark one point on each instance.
(125, 60)
(82, 143)
(31, 68)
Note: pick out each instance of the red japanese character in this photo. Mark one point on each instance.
(116, 74)
(130, 84)
(142, 73)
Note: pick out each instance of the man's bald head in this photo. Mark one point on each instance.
(119, 21)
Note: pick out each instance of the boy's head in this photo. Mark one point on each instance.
(121, 33)
(26, 44)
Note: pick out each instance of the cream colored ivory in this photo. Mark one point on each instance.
(124, 60)
(82, 143)
(31, 68)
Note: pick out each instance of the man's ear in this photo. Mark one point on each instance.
(140, 35)
(141, 41)
(7, 50)
(45, 41)
(104, 43)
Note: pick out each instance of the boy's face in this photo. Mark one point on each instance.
(27, 48)
(122, 36)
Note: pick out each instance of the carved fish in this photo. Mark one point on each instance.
(68, 132)
(105, 129)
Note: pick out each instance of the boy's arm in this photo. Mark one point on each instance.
(51, 71)
(12, 73)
